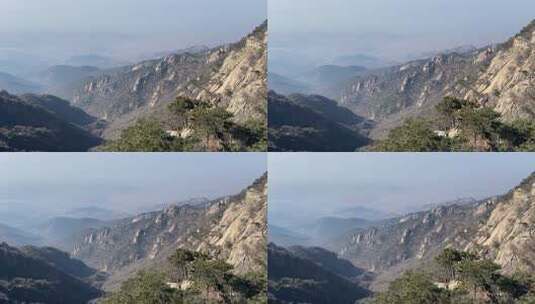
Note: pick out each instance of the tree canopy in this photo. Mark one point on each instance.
(194, 125)
(196, 277)
(460, 126)
(462, 277)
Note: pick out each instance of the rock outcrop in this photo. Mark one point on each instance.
(508, 82)
(231, 76)
(233, 229)
(508, 234)
(501, 77)
(501, 228)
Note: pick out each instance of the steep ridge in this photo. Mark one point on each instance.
(408, 89)
(32, 278)
(64, 110)
(312, 123)
(62, 261)
(501, 77)
(295, 278)
(508, 236)
(500, 228)
(231, 76)
(414, 236)
(508, 83)
(232, 229)
(33, 123)
(327, 260)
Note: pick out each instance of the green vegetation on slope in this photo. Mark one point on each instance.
(468, 128)
(196, 126)
(43, 275)
(300, 278)
(193, 277)
(312, 123)
(415, 135)
(459, 277)
(42, 123)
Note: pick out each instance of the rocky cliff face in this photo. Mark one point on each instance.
(508, 234)
(232, 229)
(508, 82)
(411, 87)
(232, 76)
(501, 77)
(413, 237)
(240, 82)
(501, 228)
(240, 236)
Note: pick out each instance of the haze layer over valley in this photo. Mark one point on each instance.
(97, 221)
(394, 66)
(125, 73)
(365, 220)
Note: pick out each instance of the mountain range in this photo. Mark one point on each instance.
(231, 77)
(500, 77)
(498, 228)
(232, 228)
(103, 254)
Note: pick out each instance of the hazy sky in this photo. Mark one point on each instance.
(196, 18)
(391, 28)
(124, 27)
(44, 184)
(307, 185)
